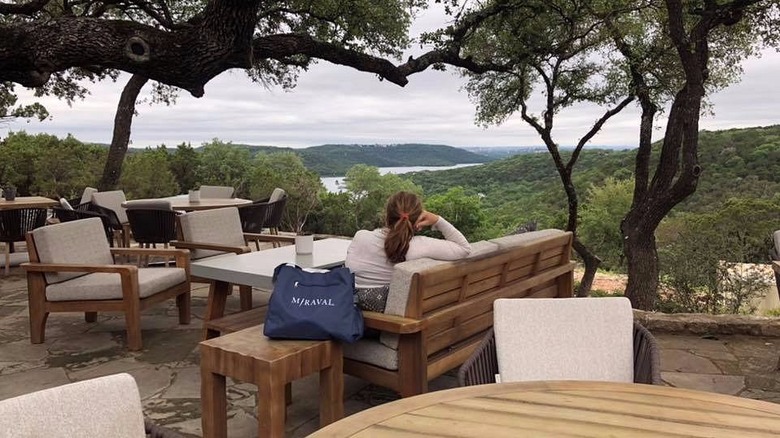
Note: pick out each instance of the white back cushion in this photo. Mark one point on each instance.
(777, 241)
(86, 195)
(276, 195)
(220, 226)
(113, 200)
(82, 241)
(216, 191)
(564, 339)
(104, 407)
(65, 204)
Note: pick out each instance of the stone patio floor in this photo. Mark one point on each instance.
(168, 376)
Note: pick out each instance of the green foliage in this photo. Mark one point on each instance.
(369, 190)
(699, 254)
(286, 170)
(773, 312)
(462, 210)
(146, 175)
(336, 215)
(184, 163)
(44, 165)
(221, 164)
(603, 209)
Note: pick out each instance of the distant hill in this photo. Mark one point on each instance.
(735, 163)
(336, 159)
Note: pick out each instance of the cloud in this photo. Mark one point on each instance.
(335, 104)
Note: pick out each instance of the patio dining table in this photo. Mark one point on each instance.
(27, 202)
(182, 202)
(564, 408)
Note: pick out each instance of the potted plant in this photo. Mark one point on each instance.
(9, 192)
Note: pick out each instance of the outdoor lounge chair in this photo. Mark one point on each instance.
(110, 204)
(107, 406)
(208, 233)
(72, 269)
(564, 339)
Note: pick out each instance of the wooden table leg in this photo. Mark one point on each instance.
(332, 388)
(245, 296)
(215, 304)
(213, 401)
(270, 405)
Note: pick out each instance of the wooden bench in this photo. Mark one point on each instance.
(437, 312)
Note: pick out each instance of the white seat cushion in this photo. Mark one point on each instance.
(373, 352)
(108, 286)
(220, 226)
(104, 407)
(564, 339)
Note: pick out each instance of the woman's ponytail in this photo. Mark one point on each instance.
(402, 211)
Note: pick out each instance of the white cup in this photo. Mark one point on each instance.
(194, 195)
(304, 244)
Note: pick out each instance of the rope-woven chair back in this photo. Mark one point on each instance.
(152, 225)
(277, 212)
(254, 216)
(14, 224)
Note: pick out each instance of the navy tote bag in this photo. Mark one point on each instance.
(313, 305)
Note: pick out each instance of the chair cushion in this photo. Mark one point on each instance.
(776, 238)
(103, 407)
(65, 204)
(373, 352)
(220, 226)
(216, 191)
(86, 195)
(107, 286)
(149, 204)
(564, 339)
(524, 238)
(112, 200)
(82, 241)
(276, 195)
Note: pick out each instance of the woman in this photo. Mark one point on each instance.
(372, 254)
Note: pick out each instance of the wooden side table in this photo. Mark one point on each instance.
(249, 356)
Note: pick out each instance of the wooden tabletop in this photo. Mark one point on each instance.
(564, 408)
(207, 203)
(27, 202)
(182, 202)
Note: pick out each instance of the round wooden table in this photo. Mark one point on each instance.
(564, 408)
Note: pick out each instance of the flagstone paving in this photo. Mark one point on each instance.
(168, 376)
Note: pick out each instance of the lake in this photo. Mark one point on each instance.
(333, 183)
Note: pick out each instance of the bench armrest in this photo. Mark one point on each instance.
(392, 323)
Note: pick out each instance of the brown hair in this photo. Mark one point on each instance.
(401, 213)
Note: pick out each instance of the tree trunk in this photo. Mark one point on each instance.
(591, 262)
(121, 138)
(642, 258)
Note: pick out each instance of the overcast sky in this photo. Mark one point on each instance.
(334, 104)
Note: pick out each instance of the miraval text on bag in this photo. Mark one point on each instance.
(313, 302)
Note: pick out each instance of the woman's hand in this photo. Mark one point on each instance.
(426, 219)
